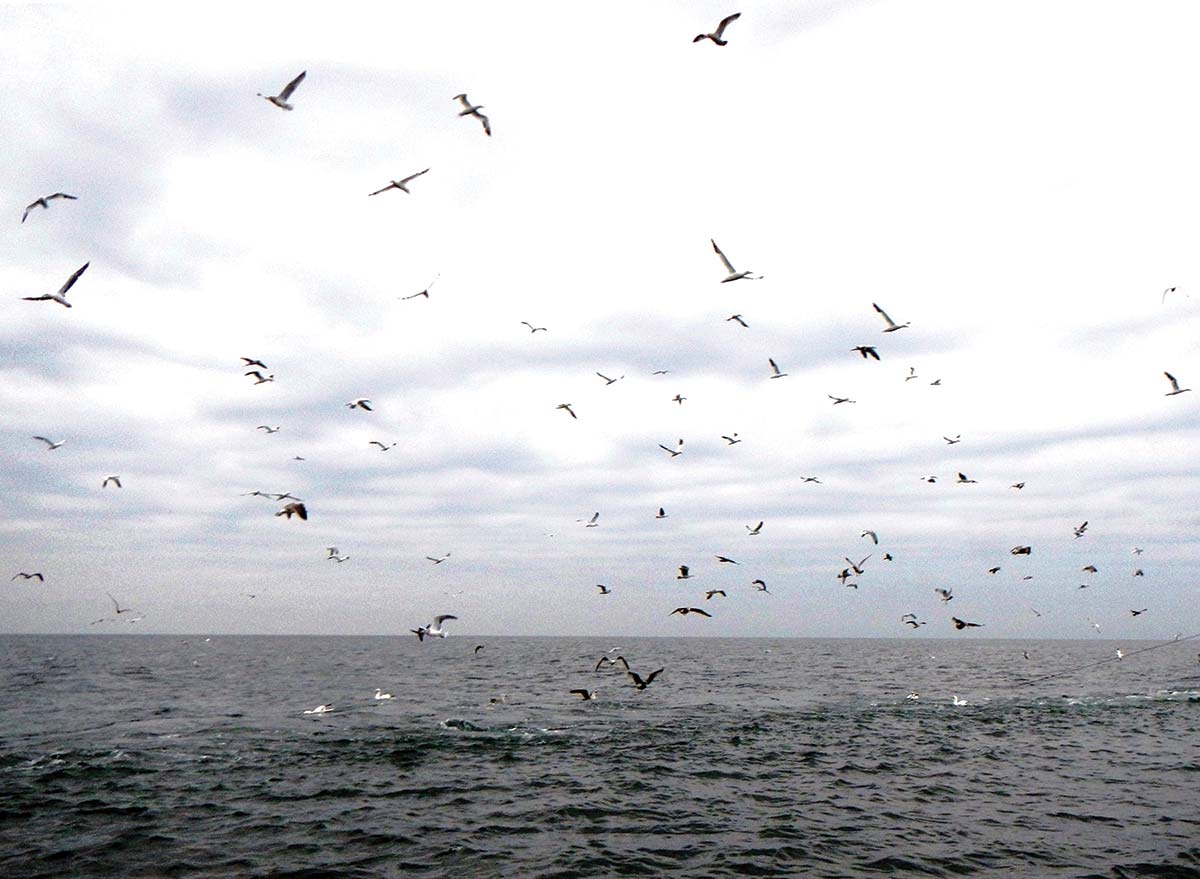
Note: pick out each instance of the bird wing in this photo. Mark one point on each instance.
(890, 322)
(462, 99)
(385, 189)
(62, 291)
(438, 620)
(725, 22)
(414, 176)
(487, 127)
(291, 86)
(774, 365)
(300, 510)
(702, 613)
(653, 675)
(46, 441)
(1171, 379)
(724, 260)
(637, 679)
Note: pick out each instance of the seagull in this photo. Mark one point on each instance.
(470, 109)
(1138, 572)
(871, 534)
(36, 575)
(604, 590)
(866, 351)
(434, 629)
(1080, 529)
(1120, 653)
(775, 371)
(383, 447)
(892, 326)
(950, 442)
(399, 184)
(438, 561)
(684, 573)
(424, 292)
(678, 398)
(837, 400)
(994, 570)
(716, 36)
(914, 696)
(585, 695)
(675, 452)
(962, 479)
(115, 480)
(1021, 550)
(360, 403)
(609, 381)
(757, 529)
(687, 610)
(734, 274)
(738, 319)
(1175, 389)
(44, 202)
(320, 709)
(887, 557)
(567, 407)
(760, 586)
(916, 624)
(661, 514)
(532, 328)
(61, 296)
(711, 592)
(259, 378)
(945, 594)
(605, 660)
(247, 362)
(844, 575)
(51, 444)
(643, 684)
(379, 694)
(594, 521)
(731, 440)
(268, 428)
(1137, 550)
(298, 508)
(963, 624)
(280, 100)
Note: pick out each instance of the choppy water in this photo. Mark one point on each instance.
(168, 756)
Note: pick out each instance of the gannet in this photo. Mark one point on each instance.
(470, 109)
(434, 629)
(61, 296)
(44, 202)
(399, 184)
(734, 274)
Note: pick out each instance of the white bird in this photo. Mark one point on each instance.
(434, 629)
(383, 447)
(320, 709)
(379, 694)
(1175, 389)
(44, 202)
(399, 184)
(470, 109)
(892, 326)
(61, 296)
(757, 529)
(268, 428)
(609, 381)
(259, 378)
(424, 292)
(960, 702)
(871, 534)
(360, 403)
(675, 452)
(115, 480)
(51, 444)
(716, 36)
(734, 274)
(594, 521)
(281, 100)
(439, 559)
(775, 371)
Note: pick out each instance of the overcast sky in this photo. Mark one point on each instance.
(1016, 180)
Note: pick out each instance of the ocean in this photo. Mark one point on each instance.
(184, 756)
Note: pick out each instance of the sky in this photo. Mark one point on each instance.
(1014, 181)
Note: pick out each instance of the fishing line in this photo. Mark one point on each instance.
(1132, 653)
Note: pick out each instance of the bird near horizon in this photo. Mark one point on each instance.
(892, 326)
(963, 624)
(402, 184)
(717, 36)
(733, 274)
(1175, 389)
(61, 296)
(470, 109)
(281, 100)
(44, 203)
(434, 629)
(117, 605)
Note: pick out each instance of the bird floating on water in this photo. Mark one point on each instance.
(402, 185)
(320, 709)
(281, 100)
(717, 36)
(379, 694)
(44, 202)
(61, 296)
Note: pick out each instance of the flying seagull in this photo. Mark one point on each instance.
(532, 328)
(950, 442)
(295, 507)
(731, 440)
(259, 378)
(760, 586)
(756, 530)
(687, 610)
(470, 109)
(871, 534)
(1175, 389)
(678, 398)
(247, 362)
(360, 403)
(604, 660)
(734, 274)
(424, 292)
(964, 480)
(593, 522)
(115, 480)
(675, 452)
(1080, 529)
(661, 514)
(609, 381)
(684, 573)
(61, 296)
(268, 428)
(434, 629)
(1021, 550)
(716, 36)
(837, 400)
(775, 371)
(711, 592)
(117, 606)
(438, 560)
(945, 594)
(281, 100)
(725, 560)
(51, 445)
(1138, 612)
(402, 185)
(892, 326)
(44, 202)
(383, 447)
(912, 373)
(37, 575)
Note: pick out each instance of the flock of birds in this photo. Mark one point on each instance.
(848, 575)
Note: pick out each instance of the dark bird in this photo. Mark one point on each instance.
(643, 684)
(687, 610)
(115, 480)
(727, 561)
(661, 514)
(295, 507)
(402, 185)
(683, 573)
(583, 694)
(963, 624)
(280, 100)
(434, 629)
(857, 568)
(116, 605)
(604, 590)
(993, 570)
(61, 296)
(604, 660)
(711, 592)
(1091, 569)
(962, 478)
(609, 381)
(737, 318)
(567, 407)
(916, 624)
(1138, 612)
(866, 351)
(424, 292)
(731, 440)
(1021, 550)
(837, 400)
(957, 439)
(716, 36)
(478, 647)
(44, 202)
(760, 586)
(675, 452)
(678, 398)
(247, 362)
(36, 575)
(1017, 485)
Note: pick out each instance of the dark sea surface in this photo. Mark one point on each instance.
(151, 756)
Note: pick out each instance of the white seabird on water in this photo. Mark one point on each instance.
(44, 202)
(734, 274)
(402, 185)
(61, 296)
(320, 709)
(379, 694)
(717, 36)
(281, 100)
(434, 629)
(470, 109)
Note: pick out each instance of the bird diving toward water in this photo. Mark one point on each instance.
(402, 185)
(281, 100)
(734, 274)
(51, 445)
(294, 508)
(61, 296)
(44, 202)
(892, 326)
(1175, 389)
(434, 629)
(470, 109)
(717, 36)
